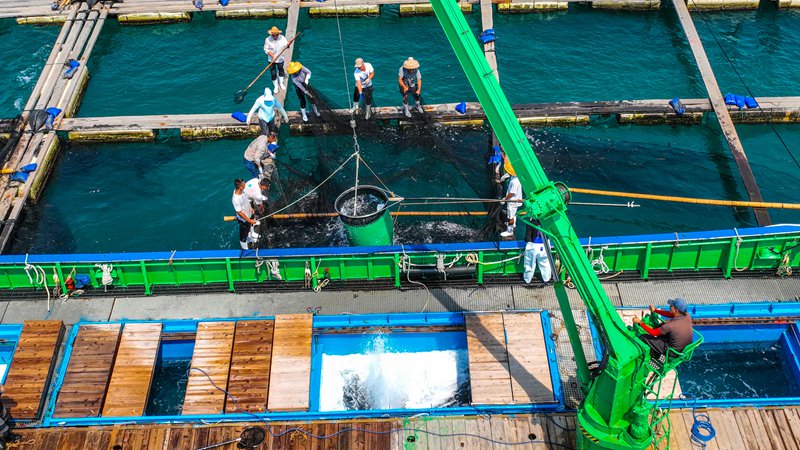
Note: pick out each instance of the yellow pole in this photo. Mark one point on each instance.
(696, 201)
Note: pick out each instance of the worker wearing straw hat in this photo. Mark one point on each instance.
(300, 77)
(273, 46)
(363, 91)
(410, 80)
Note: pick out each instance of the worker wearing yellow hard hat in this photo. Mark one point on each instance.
(512, 198)
(300, 76)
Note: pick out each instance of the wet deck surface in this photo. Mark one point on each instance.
(248, 381)
(488, 359)
(528, 362)
(211, 363)
(746, 429)
(34, 360)
(89, 371)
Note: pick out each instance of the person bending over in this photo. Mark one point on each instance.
(675, 333)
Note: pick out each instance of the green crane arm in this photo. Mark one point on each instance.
(614, 412)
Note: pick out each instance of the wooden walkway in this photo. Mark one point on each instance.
(290, 375)
(214, 126)
(211, 364)
(89, 371)
(721, 111)
(508, 359)
(737, 429)
(133, 370)
(31, 368)
(75, 41)
(248, 381)
(41, 8)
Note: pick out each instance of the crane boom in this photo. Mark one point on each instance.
(614, 413)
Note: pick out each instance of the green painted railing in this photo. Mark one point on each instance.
(779, 247)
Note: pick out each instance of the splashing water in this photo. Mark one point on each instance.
(367, 204)
(385, 378)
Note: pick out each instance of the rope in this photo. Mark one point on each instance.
(38, 279)
(344, 63)
(472, 258)
(696, 201)
(107, 280)
(311, 191)
(292, 431)
(736, 256)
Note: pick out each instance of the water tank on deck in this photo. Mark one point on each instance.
(367, 222)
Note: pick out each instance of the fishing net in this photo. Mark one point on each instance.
(252, 437)
(416, 158)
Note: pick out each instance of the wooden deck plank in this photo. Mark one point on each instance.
(791, 429)
(89, 371)
(762, 421)
(248, 381)
(133, 370)
(31, 367)
(488, 359)
(211, 362)
(527, 358)
(290, 372)
(750, 439)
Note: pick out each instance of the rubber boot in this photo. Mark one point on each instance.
(243, 245)
(275, 83)
(282, 81)
(367, 112)
(303, 113)
(316, 111)
(419, 107)
(406, 111)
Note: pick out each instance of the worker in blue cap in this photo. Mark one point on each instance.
(675, 333)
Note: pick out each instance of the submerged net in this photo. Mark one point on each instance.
(417, 159)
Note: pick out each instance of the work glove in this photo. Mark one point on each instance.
(308, 77)
(361, 98)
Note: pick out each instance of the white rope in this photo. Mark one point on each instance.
(405, 264)
(274, 268)
(472, 258)
(311, 191)
(38, 279)
(736, 256)
(599, 265)
(107, 280)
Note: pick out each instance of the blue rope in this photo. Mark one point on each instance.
(702, 430)
(393, 430)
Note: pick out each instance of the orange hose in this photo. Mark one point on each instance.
(696, 201)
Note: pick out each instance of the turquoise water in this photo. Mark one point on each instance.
(24, 50)
(99, 194)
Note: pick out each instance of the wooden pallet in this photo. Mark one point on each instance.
(528, 361)
(211, 362)
(488, 359)
(248, 381)
(31, 368)
(89, 371)
(290, 375)
(133, 370)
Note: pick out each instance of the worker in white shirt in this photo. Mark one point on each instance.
(273, 46)
(512, 198)
(244, 211)
(364, 73)
(256, 191)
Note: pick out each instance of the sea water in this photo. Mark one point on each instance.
(394, 371)
(98, 194)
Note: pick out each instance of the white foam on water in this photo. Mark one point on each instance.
(383, 379)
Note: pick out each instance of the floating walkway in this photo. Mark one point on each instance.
(217, 126)
(133, 370)
(75, 41)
